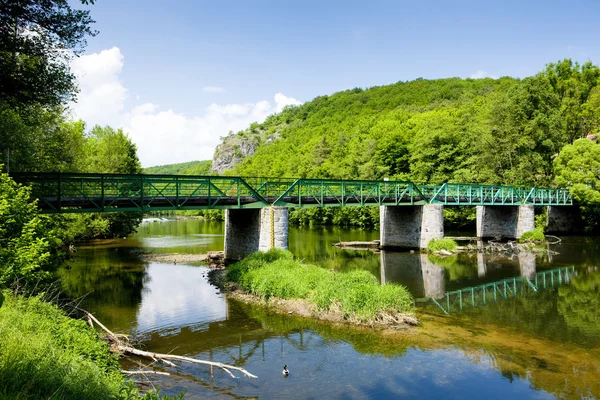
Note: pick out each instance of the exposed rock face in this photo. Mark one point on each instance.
(233, 150)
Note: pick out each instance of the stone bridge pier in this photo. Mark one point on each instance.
(410, 227)
(250, 230)
(564, 220)
(508, 222)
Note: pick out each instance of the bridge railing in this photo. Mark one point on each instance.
(546, 196)
(339, 193)
(60, 192)
(270, 188)
(475, 194)
(67, 192)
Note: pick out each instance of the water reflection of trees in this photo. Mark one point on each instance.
(579, 303)
(110, 284)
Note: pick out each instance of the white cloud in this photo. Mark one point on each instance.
(213, 89)
(161, 136)
(102, 95)
(481, 74)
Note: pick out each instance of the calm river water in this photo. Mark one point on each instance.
(492, 328)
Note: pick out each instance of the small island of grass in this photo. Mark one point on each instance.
(355, 297)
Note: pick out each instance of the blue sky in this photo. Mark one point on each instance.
(188, 56)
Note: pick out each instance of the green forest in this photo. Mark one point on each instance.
(503, 131)
(186, 168)
(538, 131)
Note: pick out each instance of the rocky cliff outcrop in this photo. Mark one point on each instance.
(236, 147)
(233, 150)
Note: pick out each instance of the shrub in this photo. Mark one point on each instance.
(357, 294)
(29, 246)
(441, 244)
(534, 236)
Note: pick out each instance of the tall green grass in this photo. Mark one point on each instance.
(356, 294)
(47, 355)
(441, 244)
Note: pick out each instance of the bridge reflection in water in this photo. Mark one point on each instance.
(426, 278)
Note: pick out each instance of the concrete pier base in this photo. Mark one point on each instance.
(564, 220)
(526, 219)
(508, 222)
(274, 227)
(242, 233)
(410, 226)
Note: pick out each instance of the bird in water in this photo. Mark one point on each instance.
(285, 372)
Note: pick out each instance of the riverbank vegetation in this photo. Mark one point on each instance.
(354, 296)
(46, 354)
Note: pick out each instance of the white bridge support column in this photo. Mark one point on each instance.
(274, 224)
(410, 226)
(242, 233)
(564, 219)
(508, 222)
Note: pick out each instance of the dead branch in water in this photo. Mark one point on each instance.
(144, 372)
(117, 343)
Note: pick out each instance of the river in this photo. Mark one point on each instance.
(488, 333)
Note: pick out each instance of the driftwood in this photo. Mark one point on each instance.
(511, 248)
(359, 245)
(162, 357)
(144, 372)
(117, 342)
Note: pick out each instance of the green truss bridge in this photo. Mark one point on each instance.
(76, 193)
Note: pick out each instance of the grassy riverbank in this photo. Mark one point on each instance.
(354, 296)
(46, 355)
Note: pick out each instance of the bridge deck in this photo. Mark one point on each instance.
(61, 193)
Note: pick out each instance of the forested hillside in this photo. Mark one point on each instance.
(503, 131)
(186, 168)
(495, 131)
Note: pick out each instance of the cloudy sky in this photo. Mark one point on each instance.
(178, 75)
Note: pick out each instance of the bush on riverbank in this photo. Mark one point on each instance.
(357, 295)
(441, 244)
(45, 354)
(534, 236)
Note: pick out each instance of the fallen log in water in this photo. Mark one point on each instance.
(359, 245)
(117, 345)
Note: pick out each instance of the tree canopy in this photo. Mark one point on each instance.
(37, 39)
